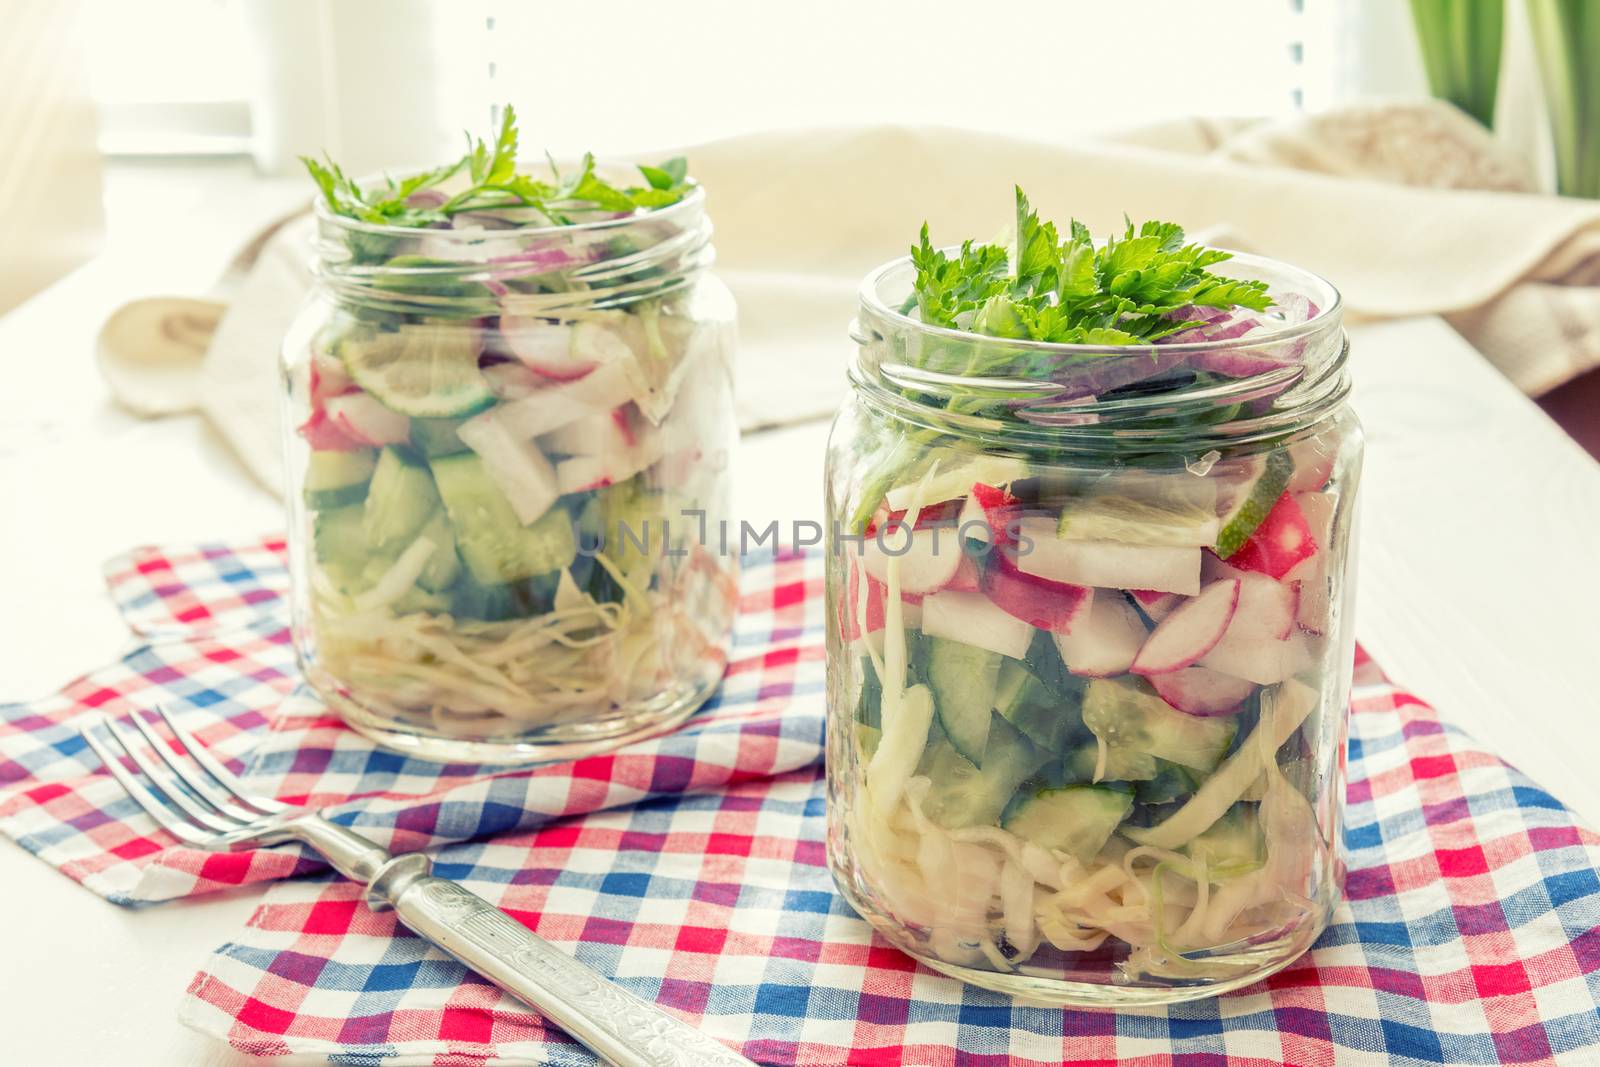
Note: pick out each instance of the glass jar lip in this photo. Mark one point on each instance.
(1328, 312)
(693, 200)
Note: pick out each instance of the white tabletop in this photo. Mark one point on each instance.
(1478, 584)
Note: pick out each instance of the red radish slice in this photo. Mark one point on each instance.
(1310, 576)
(1190, 631)
(323, 435)
(1106, 642)
(362, 417)
(973, 522)
(850, 611)
(1313, 464)
(1157, 606)
(595, 434)
(578, 473)
(965, 579)
(328, 378)
(1262, 662)
(619, 417)
(1000, 508)
(1282, 540)
(1107, 564)
(1198, 691)
(929, 558)
(973, 619)
(1266, 608)
(1036, 601)
(546, 348)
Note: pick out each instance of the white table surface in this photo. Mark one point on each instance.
(1480, 572)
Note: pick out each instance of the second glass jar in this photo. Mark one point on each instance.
(1089, 647)
(499, 444)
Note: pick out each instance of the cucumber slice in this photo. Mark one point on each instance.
(1233, 839)
(444, 566)
(1171, 782)
(400, 502)
(1254, 498)
(437, 437)
(1075, 819)
(426, 369)
(503, 601)
(963, 679)
(1122, 764)
(869, 703)
(963, 794)
(1124, 715)
(340, 542)
(1025, 702)
(495, 547)
(338, 479)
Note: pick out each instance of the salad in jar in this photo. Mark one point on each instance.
(509, 402)
(1089, 650)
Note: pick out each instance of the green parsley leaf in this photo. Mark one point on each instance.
(495, 184)
(1129, 291)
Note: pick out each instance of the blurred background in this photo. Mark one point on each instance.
(122, 112)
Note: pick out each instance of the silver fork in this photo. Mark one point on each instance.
(202, 804)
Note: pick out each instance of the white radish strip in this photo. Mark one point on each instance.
(363, 417)
(399, 578)
(1199, 691)
(1190, 631)
(974, 619)
(550, 409)
(1106, 641)
(1108, 564)
(1262, 662)
(516, 465)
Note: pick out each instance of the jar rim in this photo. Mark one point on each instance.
(871, 290)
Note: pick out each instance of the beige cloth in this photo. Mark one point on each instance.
(801, 216)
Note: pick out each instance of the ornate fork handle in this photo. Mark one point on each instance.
(608, 1019)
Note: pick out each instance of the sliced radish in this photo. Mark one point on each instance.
(1108, 564)
(1199, 691)
(929, 558)
(544, 347)
(1310, 576)
(510, 380)
(1036, 601)
(362, 417)
(965, 580)
(597, 433)
(322, 434)
(973, 522)
(328, 378)
(973, 619)
(552, 408)
(1266, 608)
(1281, 541)
(1105, 642)
(1262, 662)
(1000, 508)
(851, 613)
(578, 473)
(516, 465)
(1313, 464)
(1157, 606)
(1190, 631)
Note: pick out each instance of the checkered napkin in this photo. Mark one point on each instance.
(1471, 931)
(1468, 936)
(211, 641)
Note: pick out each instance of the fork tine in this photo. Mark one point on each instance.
(189, 774)
(169, 787)
(138, 791)
(214, 767)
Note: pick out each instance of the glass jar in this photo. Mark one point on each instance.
(1089, 646)
(497, 441)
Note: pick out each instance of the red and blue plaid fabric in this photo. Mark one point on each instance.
(211, 642)
(1470, 932)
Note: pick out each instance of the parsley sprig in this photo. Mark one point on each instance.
(496, 184)
(1131, 290)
